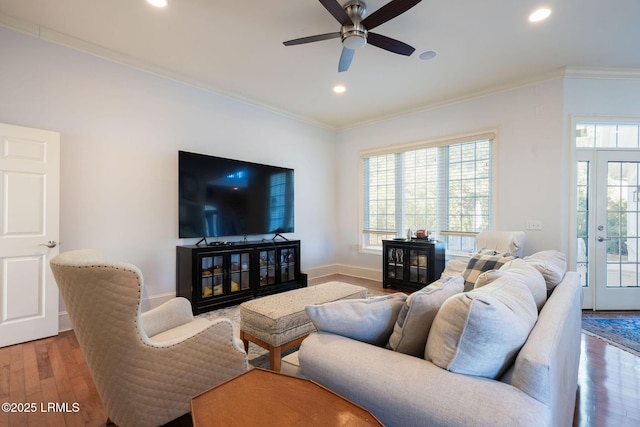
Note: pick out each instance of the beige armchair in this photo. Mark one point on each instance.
(511, 242)
(146, 366)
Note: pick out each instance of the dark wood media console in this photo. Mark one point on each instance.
(216, 276)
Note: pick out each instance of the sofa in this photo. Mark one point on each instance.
(531, 384)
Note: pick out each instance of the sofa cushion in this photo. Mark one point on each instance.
(551, 264)
(487, 277)
(519, 270)
(414, 321)
(481, 331)
(481, 261)
(369, 320)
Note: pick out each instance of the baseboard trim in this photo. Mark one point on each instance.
(347, 270)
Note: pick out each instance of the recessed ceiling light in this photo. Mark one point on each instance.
(540, 15)
(339, 89)
(157, 3)
(429, 54)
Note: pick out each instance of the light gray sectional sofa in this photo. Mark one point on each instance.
(534, 386)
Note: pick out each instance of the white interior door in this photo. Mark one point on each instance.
(29, 228)
(615, 230)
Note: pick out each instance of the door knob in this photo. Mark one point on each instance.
(51, 244)
(602, 239)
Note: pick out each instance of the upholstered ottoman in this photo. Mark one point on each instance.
(279, 321)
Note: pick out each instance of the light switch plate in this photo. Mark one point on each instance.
(534, 225)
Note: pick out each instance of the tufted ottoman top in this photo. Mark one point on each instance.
(280, 318)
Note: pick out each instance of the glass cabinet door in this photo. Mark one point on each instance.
(418, 266)
(267, 267)
(240, 268)
(218, 275)
(207, 276)
(395, 260)
(287, 264)
(212, 276)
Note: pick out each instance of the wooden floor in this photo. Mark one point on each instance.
(51, 377)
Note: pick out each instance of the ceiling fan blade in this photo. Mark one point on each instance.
(311, 39)
(337, 11)
(345, 59)
(388, 12)
(392, 45)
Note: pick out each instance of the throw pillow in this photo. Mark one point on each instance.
(414, 321)
(453, 268)
(480, 332)
(520, 270)
(551, 264)
(486, 277)
(480, 262)
(369, 320)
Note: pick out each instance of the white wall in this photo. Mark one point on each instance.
(607, 95)
(532, 158)
(121, 130)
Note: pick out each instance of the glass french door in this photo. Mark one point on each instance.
(608, 223)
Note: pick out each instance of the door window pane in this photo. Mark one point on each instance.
(582, 221)
(622, 224)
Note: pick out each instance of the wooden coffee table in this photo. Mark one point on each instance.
(261, 397)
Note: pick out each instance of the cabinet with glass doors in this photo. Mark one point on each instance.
(411, 264)
(212, 277)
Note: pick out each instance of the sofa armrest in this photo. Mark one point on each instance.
(171, 314)
(176, 370)
(547, 366)
(403, 390)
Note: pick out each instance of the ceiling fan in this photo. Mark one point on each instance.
(355, 28)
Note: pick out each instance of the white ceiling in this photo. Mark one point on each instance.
(235, 47)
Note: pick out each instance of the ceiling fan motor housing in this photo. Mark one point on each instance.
(354, 36)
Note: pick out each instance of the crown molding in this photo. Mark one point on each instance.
(564, 72)
(62, 39)
(53, 36)
(492, 90)
(602, 73)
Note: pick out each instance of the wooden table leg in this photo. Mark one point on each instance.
(275, 353)
(275, 356)
(245, 341)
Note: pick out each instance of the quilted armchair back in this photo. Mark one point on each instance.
(502, 241)
(140, 382)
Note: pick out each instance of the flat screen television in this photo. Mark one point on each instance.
(225, 197)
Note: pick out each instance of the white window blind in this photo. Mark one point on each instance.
(277, 196)
(445, 187)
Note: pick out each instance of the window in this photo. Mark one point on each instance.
(582, 220)
(277, 197)
(445, 187)
(607, 135)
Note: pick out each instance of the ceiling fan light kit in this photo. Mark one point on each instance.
(354, 34)
(355, 28)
